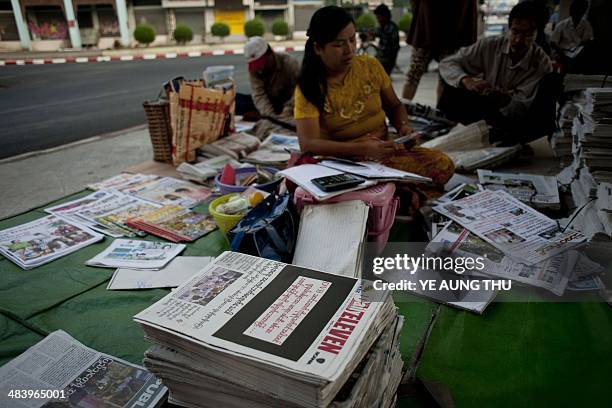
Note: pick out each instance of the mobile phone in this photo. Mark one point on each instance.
(407, 139)
(337, 182)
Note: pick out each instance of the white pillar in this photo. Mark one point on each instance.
(122, 18)
(73, 25)
(22, 28)
(291, 15)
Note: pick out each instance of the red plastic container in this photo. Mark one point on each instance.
(383, 205)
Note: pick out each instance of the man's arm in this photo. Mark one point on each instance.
(467, 62)
(260, 97)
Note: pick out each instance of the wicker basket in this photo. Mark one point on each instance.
(158, 116)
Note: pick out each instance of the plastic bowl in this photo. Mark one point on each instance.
(230, 188)
(225, 222)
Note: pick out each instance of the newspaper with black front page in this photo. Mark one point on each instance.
(513, 227)
(280, 327)
(60, 371)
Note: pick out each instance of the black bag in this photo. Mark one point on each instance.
(269, 230)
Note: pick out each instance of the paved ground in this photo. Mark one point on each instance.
(47, 106)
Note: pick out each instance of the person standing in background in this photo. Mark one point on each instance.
(388, 38)
(438, 29)
(571, 39)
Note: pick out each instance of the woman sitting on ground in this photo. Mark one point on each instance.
(341, 100)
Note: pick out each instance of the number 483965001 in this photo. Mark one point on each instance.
(37, 394)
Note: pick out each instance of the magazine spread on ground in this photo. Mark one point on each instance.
(168, 191)
(134, 207)
(516, 229)
(533, 189)
(551, 274)
(111, 210)
(276, 149)
(70, 211)
(122, 180)
(236, 145)
(43, 240)
(179, 270)
(296, 319)
(206, 168)
(175, 223)
(125, 253)
(59, 371)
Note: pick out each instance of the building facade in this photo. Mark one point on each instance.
(47, 25)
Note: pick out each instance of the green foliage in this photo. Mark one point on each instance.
(144, 34)
(182, 34)
(254, 27)
(366, 22)
(404, 22)
(220, 29)
(280, 27)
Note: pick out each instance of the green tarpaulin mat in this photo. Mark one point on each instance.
(515, 354)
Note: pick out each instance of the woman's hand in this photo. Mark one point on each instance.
(404, 129)
(378, 149)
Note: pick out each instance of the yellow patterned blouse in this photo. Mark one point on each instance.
(353, 107)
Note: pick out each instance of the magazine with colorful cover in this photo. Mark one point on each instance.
(127, 253)
(176, 223)
(171, 191)
(121, 215)
(69, 210)
(112, 210)
(43, 240)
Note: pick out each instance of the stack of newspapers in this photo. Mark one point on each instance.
(594, 134)
(248, 331)
(591, 170)
(561, 140)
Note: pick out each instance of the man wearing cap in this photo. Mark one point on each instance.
(273, 78)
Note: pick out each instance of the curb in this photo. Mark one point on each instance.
(138, 57)
(91, 139)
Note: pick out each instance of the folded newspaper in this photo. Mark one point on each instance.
(533, 189)
(60, 371)
(291, 333)
(551, 274)
(511, 226)
(179, 270)
(43, 240)
(125, 253)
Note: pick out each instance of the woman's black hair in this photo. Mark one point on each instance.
(324, 27)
